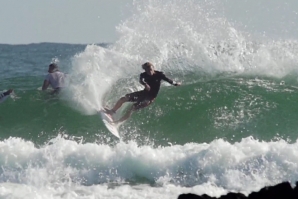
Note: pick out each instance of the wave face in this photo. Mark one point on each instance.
(231, 126)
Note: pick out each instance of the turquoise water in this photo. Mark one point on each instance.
(231, 125)
(226, 106)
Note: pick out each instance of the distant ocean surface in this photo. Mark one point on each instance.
(231, 125)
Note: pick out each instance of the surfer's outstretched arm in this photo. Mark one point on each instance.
(165, 78)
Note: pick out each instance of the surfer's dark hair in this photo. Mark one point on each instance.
(53, 65)
(147, 65)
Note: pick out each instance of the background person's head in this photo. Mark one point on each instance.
(53, 67)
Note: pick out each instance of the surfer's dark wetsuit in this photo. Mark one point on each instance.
(143, 98)
(2, 95)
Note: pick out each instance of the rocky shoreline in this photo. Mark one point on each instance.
(280, 191)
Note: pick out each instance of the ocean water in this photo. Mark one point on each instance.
(231, 125)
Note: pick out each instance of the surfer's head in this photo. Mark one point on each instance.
(53, 67)
(149, 68)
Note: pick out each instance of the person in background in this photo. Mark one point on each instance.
(55, 78)
(151, 80)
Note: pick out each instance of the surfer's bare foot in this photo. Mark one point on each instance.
(113, 122)
(108, 111)
(116, 122)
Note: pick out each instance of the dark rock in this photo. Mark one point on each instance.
(233, 196)
(279, 191)
(194, 196)
(283, 190)
(189, 196)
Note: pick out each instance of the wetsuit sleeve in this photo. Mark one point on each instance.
(142, 79)
(163, 77)
(4, 94)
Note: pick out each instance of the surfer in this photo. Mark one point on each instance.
(4, 94)
(151, 80)
(55, 78)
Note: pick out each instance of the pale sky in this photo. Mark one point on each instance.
(64, 21)
(95, 21)
(276, 18)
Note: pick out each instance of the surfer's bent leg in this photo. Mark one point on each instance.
(143, 104)
(117, 105)
(131, 97)
(141, 101)
(134, 107)
(126, 115)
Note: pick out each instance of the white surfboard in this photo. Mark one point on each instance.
(107, 120)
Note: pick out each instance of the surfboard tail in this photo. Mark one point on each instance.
(108, 121)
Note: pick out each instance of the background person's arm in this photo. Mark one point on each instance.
(45, 85)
